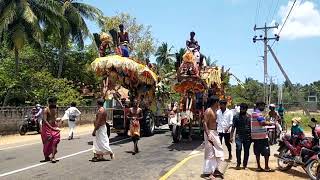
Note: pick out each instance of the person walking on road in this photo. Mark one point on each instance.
(135, 115)
(50, 133)
(101, 144)
(225, 120)
(213, 152)
(259, 135)
(242, 125)
(39, 116)
(71, 114)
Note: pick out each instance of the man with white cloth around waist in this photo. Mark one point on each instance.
(225, 121)
(101, 144)
(71, 114)
(213, 152)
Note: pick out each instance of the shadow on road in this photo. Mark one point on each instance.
(32, 133)
(291, 172)
(296, 173)
(185, 145)
(117, 138)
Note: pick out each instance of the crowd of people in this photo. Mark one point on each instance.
(243, 129)
(220, 123)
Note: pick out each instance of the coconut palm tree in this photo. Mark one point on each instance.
(76, 28)
(163, 55)
(23, 21)
(211, 62)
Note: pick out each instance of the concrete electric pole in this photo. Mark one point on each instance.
(265, 40)
(300, 99)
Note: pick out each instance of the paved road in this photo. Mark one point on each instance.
(157, 156)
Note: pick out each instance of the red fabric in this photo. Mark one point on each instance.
(50, 138)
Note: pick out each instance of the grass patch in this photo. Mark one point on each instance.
(305, 120)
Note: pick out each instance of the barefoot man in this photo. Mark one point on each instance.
(135, 115)
(101, 141)
(50, 133)
(213, 152)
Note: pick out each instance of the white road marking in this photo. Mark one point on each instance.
(13, 147)
(64, 157)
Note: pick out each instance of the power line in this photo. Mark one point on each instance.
(287, 16)
(285, 21)
(275, 9)
(257, 11)
(270, 7)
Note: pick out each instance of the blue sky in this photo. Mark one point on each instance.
(224, 29)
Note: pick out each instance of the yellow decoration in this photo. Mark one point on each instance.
(188, 57)
(211, 75)
(122, 64)
(105, 37)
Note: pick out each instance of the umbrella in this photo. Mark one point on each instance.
(194, 85)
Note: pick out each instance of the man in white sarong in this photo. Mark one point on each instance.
(101, 144)
(213, 152)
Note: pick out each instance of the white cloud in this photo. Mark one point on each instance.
(303, 22)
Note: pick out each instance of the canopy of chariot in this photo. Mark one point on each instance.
(118, 71)
(194, 75)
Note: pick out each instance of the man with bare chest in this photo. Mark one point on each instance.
(135, 115)
(50, 132)
(213, 152)
(101, 145)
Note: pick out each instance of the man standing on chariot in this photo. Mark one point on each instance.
(192, 43)
(123, 40)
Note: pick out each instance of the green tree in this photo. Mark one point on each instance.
(164, 55)
(250, 92)
(211, 62)
(76, 28)
(142, 43)
(21, 21)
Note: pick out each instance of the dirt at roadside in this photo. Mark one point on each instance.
(296, 173)
(34, 137)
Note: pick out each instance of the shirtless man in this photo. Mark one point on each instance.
(50, 132)
(213, 153)
(192, 43)
(135, 115)
(101, 144)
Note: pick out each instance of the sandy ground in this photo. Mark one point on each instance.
(250, 174)
(34, 137)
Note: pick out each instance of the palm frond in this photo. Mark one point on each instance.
(28, 14)
(7, 16)
(87, 11)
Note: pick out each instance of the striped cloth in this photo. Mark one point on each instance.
(258, 131)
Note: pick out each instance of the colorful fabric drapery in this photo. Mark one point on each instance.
(117, 67)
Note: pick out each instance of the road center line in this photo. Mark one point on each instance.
(181, 163)
(13, 147)
(64, 157)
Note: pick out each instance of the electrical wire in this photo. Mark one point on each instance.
(275, 9)
(270, 7)
(285, 21)
(257, 11)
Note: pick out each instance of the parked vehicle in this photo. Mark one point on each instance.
(299, 151)
(30, 123)
(121, 123)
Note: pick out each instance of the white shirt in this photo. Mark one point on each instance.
(224, 120)
(71, 111)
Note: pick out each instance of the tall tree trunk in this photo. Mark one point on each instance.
(16, 56)
(61, 61)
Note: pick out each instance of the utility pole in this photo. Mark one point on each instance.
(265, 40)
(270, 91)
(280, 92)
(301, 100)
